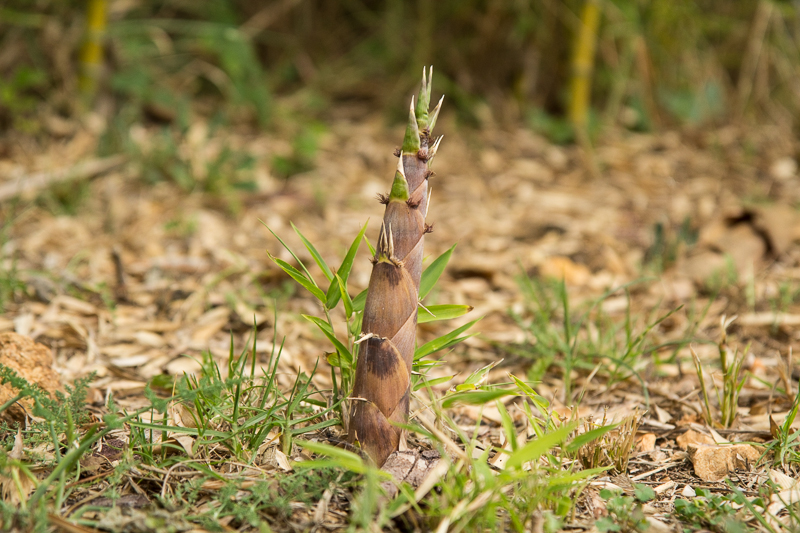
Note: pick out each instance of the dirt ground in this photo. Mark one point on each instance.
(143, 275)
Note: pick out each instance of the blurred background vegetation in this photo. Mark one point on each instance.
(551, 64)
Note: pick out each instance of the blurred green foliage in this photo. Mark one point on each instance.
(658, 61)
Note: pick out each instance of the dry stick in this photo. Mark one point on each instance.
(33, 183)
(651, 472)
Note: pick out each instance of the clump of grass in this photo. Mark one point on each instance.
(479, 487)
(234, 410)
(580, 339)
(611, 449)
(230, 414)
(668, 245)
(732, 380)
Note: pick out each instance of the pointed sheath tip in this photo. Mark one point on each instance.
(435, 115)
(381, 251)
(391, 243)
(424, 100)
(411, 143)
(399, 192)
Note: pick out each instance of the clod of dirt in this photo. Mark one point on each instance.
(572, 273)
(746, 237)
(411, 466)
(713, 463)
(31, 361)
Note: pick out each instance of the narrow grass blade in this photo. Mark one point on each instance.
(314, 253)
(508, 425)
(445, 341)
(340, 457)
(587, 437)
(536, 448)
(475, 397)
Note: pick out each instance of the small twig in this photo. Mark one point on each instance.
(33, 183)
(651, 472)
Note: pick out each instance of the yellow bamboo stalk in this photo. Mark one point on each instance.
(91, 56)
(583, 65)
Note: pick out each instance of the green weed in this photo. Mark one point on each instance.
(711, 510)
(580, 340)
(625, 513)
(732, 380)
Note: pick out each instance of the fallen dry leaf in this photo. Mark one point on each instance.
(647, 443)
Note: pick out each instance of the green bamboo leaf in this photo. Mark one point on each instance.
(299, 278)
(445, 341)
(431, 313)
(587, 437)
(371, 248)
(431, 274)
(570, 479)
(360, 301)
(344, 269)
(424, 383)
(314, 253)
(302, 265)
(348, 303)
(475, 397)
(536, 448)
(334, 359)
(327, 330)
(316, 427)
